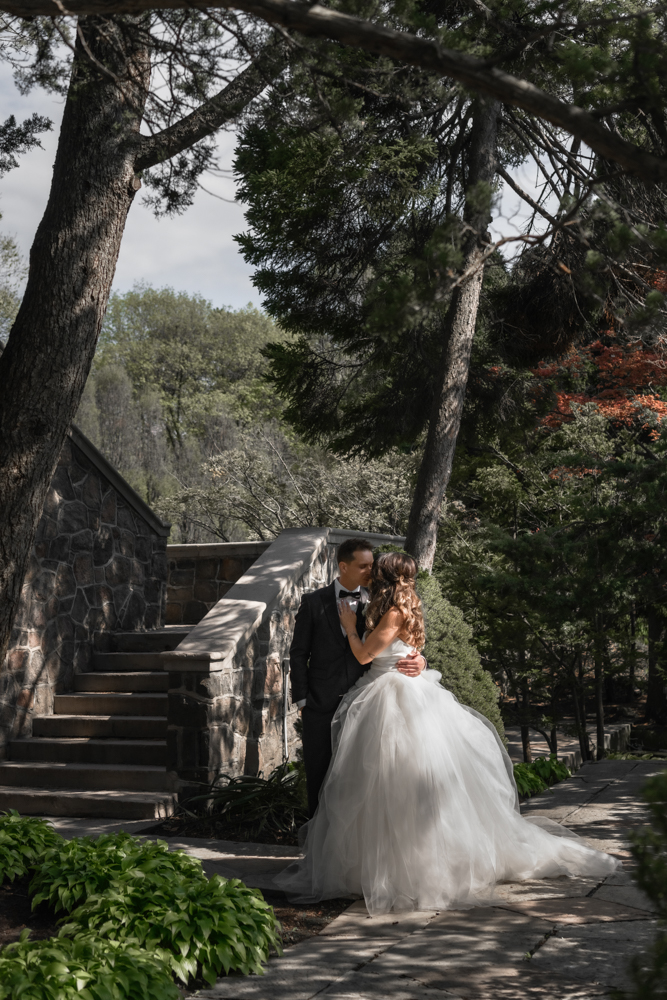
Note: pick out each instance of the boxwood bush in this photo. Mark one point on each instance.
(24, 841)
(87, 968)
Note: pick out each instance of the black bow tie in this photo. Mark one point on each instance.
(356, 594)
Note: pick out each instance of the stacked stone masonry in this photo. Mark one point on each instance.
(227, 718)
(200, 575)
(98, 565)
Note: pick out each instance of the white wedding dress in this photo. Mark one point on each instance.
(419, 809)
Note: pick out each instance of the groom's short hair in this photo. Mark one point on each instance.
(347, 549)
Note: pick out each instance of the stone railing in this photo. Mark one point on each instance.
(200, 575)
(229, 709)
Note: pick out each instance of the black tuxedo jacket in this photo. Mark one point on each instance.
(322, 665)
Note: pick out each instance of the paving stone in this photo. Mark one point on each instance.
(586, 910)
(595, 953)
(257, 873)
(304, 970)
(514, 982)
(356, 922)
(482, 936)
(562, 887)
(375, 984)
(625, 895)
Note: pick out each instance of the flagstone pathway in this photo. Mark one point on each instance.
(555, 939)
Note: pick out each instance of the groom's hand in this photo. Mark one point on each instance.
(411, 665)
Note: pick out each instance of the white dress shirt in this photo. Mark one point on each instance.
(364, 598)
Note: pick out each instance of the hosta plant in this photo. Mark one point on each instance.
(71, 871)
(531, 779)
(85, 968)
(199, 926)
(24, 841)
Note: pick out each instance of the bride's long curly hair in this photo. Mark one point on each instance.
(393, 586)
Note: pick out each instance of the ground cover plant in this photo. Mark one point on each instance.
(88, 968)
(24, 840)
(199, 926)
(74, 870)
(531, 779)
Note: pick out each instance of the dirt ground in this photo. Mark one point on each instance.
(211, 827)
(16, 915)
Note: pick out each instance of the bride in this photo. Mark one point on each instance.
(419, 809)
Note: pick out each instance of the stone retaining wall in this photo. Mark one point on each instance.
(98, 564)
(200, 575)
(226, 682)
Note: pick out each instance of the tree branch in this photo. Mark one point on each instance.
(403, 46)
(218, 111)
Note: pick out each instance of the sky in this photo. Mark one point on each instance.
(194, 252)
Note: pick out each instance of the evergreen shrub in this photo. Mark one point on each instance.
(24, 841)
(449, 648)
(85, 969)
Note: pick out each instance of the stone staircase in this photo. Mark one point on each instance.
(103, 751)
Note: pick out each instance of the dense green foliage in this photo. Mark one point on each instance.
(24, 842)
(649, 971)
(84, 969)
(198, 926)
(449, 648)
(73, 870)
(257, 805)
(533, 778)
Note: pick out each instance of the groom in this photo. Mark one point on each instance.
(322, 665)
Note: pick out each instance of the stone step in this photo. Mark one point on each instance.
(152, 753)
(110, 704)
(126, 662)
(119, 727)
(156, 641)
(104, 804)
(138, 681)
(85, 777)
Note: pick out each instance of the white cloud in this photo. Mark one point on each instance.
(193, 252)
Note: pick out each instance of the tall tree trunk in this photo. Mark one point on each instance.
(452, 376)
(44, 367)
(656, 693)
(598, 664)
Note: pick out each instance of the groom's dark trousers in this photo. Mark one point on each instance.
(322, 669)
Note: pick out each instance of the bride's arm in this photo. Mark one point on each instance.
(382, 636)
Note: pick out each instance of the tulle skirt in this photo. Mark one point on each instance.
(419, 809)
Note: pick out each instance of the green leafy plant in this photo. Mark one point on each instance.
(649, 846)
(277, 803)
(24, 840)
(86, 968)
(71, 871)
(531, 779)
(198, 926)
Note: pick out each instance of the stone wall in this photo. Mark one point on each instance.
(226, 680)
(200, 575)
(98, 564)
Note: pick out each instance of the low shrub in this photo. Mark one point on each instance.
(649, 847)
(199, 926)
(451, 650)
(71, 871)
(86, 968)
(277, 804)
(24, 841)
(531, 779)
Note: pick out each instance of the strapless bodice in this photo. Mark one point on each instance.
(389, 657)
